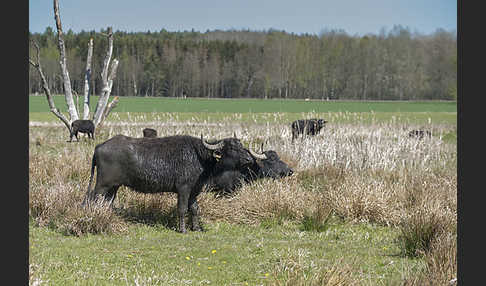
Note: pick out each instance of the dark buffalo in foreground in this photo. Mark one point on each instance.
(83, 126)
(265, 165)
(307, 127)
(149, 132)
(178, 164)
(419, 134)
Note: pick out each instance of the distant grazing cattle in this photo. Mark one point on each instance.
(307, 127)
(149, 132)
(265, 165)
(419, 134)
(83, 126)
(179, 164)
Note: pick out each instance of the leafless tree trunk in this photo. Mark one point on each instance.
(107, 80)
(87, 78)
(135, 93)
(73, 113)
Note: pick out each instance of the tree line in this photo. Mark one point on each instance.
(391, 65)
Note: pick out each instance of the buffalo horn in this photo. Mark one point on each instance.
(258, 156)
(212, 146)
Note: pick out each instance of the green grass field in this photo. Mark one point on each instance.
(216, 110)
(159, 104)
(225, 254)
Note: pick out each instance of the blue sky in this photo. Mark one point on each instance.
(355, 17)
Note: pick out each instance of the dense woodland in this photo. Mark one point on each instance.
(391, 65)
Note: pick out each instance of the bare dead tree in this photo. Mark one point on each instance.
(107, 80)
(68, 95)
(36, 64)
(101, 111)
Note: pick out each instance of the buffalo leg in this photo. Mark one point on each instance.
(107, 192)
(194, 207)
(71, 137)
(182, 204)
(111, 194)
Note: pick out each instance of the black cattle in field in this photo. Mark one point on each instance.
(265, 165)
(307, 127)
(149, 132)
(83, 126)
(178, 164)
(419, 134)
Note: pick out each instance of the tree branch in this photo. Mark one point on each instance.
(108, 109)
(105, 110)
(46, 89)
(109, 52)
(107, 81)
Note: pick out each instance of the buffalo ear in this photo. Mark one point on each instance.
(217, 155)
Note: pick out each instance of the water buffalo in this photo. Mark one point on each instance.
(419, 134)
(149, 132)
(83, 126)
(265, 165)
(307, 127)
(178, 164)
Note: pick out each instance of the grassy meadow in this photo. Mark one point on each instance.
(367, 205)
(162, 104)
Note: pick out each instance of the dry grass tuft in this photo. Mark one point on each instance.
(150, 209)
(292, 268)
(441, 260)
(59, 207)
(264, 199)
(423, 225)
